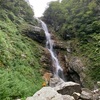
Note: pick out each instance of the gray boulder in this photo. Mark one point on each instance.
(46, 93)
(68, 88)
(33, 32)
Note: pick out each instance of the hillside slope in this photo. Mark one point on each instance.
(19, 59)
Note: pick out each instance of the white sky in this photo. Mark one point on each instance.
(39, 6)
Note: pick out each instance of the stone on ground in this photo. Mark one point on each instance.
(68, 88)
(46, 93)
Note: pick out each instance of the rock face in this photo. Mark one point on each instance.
(34, 32)
(76, 64)
(46, 59)
(56, 81)
(75, 70)
(59, 45)
(72, 66)
(61, 90)
(68, 88)
(46, 93)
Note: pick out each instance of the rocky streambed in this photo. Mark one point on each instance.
(60, 90)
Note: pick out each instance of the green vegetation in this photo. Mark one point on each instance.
(78, 20)
(19, 60)
(19, 8)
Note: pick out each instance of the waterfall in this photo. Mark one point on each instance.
(58, 71)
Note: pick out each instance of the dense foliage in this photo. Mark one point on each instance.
(78, 20)
(19, 59)
(19, 8)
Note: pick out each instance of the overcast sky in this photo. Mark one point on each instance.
(39, 6)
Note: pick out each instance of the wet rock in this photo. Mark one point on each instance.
(65, 65)
(46, 59)
(73, 76)
(56, 81)
(68, 88)
(47, 93)
(68, 97)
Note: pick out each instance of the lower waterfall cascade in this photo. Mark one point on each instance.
(58, 71)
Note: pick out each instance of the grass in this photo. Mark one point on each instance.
(90, 53)
(19, 63)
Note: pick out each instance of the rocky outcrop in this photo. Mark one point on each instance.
(64, 88)
(68, 88)
(72, 66)
(34, 32)
(60, 90)
(76, 64)
(59, 45)
(76, 70)
(46, 59)
(46, 93)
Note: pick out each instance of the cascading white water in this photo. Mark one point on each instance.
(49, 46)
